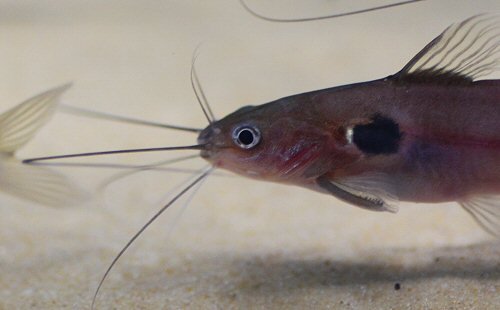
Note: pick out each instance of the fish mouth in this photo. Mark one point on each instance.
(209, 151)
(205, 139)
(206, 154)
(206, 136)
(211, 142)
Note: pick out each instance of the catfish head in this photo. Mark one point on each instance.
(276, 142)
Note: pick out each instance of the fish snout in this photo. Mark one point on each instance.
(206, 138)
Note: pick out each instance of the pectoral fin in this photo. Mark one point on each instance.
(486, 212)
(371, 192)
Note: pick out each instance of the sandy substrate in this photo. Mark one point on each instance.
(241, 244)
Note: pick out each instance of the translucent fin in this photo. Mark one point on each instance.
(38, 184)
(19, 124)
(486, 212)
(464, 52)
(371, 191)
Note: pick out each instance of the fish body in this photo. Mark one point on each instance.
(429, 133)
(444, 150)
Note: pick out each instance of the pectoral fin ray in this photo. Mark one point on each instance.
(372, 191)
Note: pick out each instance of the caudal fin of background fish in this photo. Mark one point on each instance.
(38, 184)
(35, 183)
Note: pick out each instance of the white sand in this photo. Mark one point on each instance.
(241, 243)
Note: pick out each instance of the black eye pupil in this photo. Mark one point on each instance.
(246, 137)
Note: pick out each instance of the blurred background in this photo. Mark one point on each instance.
(240, 243)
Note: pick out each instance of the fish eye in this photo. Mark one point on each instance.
(246, 137)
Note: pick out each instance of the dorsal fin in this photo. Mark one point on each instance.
(463, 53)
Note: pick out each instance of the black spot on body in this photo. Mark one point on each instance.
(380, 136)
